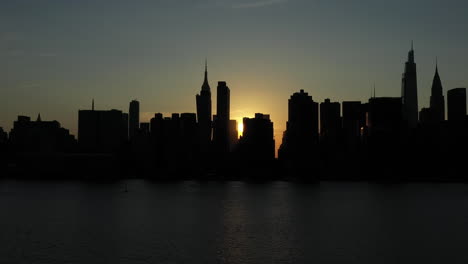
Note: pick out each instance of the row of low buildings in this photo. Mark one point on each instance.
(38, 136)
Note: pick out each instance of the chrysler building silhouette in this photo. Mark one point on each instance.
(437, 103)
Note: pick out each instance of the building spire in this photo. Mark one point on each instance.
(436, 82)
(374, 89)
(206, 85)
(411, 53)
(206, 71)
(92, 105)
(39, 118)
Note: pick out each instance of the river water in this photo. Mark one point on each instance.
(232, 222)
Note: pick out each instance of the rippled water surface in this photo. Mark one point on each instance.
(232, 222)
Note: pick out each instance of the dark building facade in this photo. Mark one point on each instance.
(385, 119)
(456, 104)
(134, 119)
(145, 127)
(175, 141)
(141, 141)
(330, 121)
(257, 143)
(221, 135)
(204, 111)
(102, 131)
(354, 122)
(300, 139)
(3, 136)
(188, 139)
(385, 139)
(4, 150)
(165, 132)
(40, 136)
(158, 137)
(233, 135)
(426, 116)
(409, 91)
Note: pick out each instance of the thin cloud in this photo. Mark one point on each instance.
(257, 4)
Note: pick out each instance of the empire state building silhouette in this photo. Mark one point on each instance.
(204, 111)
(409, 91)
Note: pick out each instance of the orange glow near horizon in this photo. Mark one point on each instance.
(240, 128)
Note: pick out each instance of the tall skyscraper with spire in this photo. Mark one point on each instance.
(409, 91)
(437, 104)
(204, 110)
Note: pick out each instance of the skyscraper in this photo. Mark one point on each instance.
(134, 119)
(223, 102)
(222, 117)
(233, 134)
(385, 137)
(354, 121)
(102, 131)
(330, 121)
(437, 104)
(204, 111)
(409, 91)
(257, 142)
(188, 147)
(384, 118)
(301, 135)
(456, 104)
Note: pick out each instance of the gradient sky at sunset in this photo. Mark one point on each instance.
(56, 55)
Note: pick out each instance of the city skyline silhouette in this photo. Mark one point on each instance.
(233, 131)
(418, 115)
(279, 129)
(58, 56)
(194, 87)
(366, 136)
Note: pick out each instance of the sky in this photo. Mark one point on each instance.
(57, 55)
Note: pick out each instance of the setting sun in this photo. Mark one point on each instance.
(240, 127)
